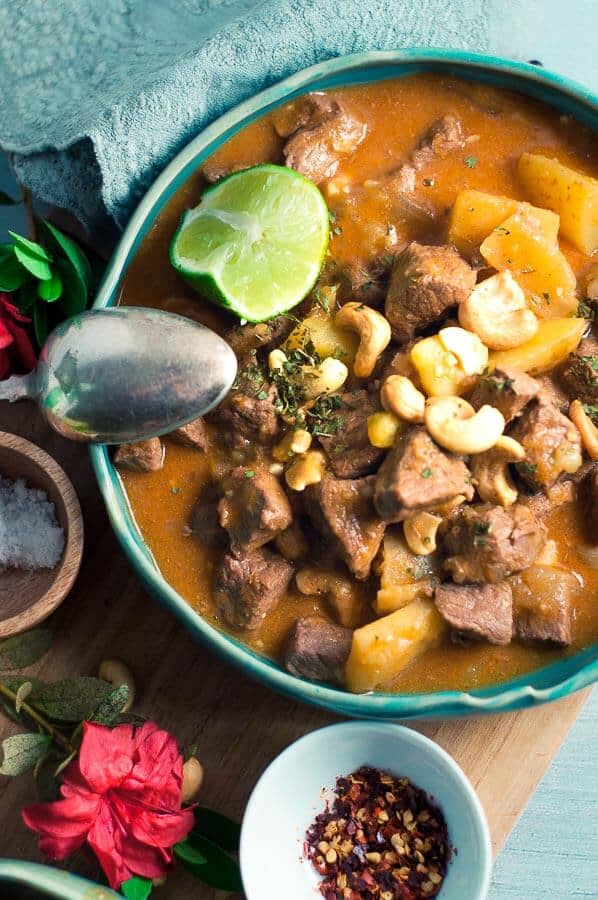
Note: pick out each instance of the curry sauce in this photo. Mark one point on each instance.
(499, 127)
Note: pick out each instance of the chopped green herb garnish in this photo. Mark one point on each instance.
(175, 490)
(337, 229)
(249, 473)
(426, 473)
(471, 161)
(428, 182)
(263, 395)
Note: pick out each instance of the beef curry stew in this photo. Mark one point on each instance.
(400, 492)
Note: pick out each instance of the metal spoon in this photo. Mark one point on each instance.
(117, 375)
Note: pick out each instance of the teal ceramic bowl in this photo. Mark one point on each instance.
(24, 880)
(549, 683)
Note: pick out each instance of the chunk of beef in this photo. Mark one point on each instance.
(306, 110)
(552, 444)
(254, 509)
(205, 521)
(580, 372)
(142, 456)
(249, 411)
(317, 147)
(589, 495)
(416, 475)
(489, 543)
(506, 390)
(193, 435)
(247, 589)
(244, 339)
(442, 138)
(365, 281)
(425, 282)
(543, 598)
(343, 512)
(214, 169)
(318, 650)
(478, 610)
(551, 392)
(348, 446)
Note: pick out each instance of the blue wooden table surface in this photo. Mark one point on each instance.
(553, 850)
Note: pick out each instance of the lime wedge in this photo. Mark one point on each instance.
(256, 242)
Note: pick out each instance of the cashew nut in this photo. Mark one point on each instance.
(305, 470)
(496, 310)
(293, 443)
(374, 334)
(276, 359)
(382, 429)
(400, 396)
(455, 425)
(117, 673)
(192, 779)
(586, 428)
(467, 347)
(420, 532)
(326, 378)
(444, 509)
(490, 471)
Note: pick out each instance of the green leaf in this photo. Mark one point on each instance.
(40, 323)
(72, 699)
(136, 888)
(5, 200)
(12, 273)
(38, 267)
(109, 710)
(189, 854)
(219, 869)
(26, 297)
(51, 290)
(24, 649)
(31, 247)
(22, 751)
(74, 292)
(66, 247)
(216, 827)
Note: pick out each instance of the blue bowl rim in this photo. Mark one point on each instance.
(502, 696)
(397, 734)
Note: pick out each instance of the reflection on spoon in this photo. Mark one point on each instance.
(125, 374)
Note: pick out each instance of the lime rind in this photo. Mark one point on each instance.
(256, 242)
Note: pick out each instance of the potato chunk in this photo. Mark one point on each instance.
(382, 649)
(439, 370)
(570, 194)
(523, 244)
(474, 215)
(327, 338)
(404, 576)
(551, 345)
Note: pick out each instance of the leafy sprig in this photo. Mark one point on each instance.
(49, 277)
(54, 714)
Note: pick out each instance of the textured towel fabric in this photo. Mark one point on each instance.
(98, 95)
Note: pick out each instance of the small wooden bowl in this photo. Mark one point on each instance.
(28, 597)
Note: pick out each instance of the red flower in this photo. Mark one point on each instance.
(122, 795)
(16, 350)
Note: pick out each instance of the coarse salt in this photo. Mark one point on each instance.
(30, 536)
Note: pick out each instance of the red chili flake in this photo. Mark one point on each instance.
(382, 839)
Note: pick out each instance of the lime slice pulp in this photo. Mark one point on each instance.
(256, 242)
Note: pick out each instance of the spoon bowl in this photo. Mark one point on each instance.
(116, 375)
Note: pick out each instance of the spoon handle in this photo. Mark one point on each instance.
(18, 387)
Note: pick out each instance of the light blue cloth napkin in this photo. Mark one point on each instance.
(97, 95)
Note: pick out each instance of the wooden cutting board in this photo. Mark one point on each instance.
(239, 726)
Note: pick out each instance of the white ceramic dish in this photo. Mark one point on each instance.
(290, 794)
